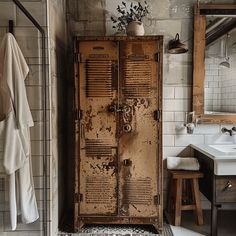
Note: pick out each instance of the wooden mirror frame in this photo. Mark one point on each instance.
(199, 63)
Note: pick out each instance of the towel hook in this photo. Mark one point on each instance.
(11, 26)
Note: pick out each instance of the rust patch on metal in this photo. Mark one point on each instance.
(88, 119)
(99, 56)
(135, 57)
(137, 48)
(141, 103)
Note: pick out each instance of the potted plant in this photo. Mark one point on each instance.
(130, 19)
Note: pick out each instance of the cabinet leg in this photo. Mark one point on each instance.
(214, 218)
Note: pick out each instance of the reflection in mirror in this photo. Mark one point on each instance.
(220, 65)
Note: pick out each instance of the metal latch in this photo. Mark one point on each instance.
(157, 199)
(157, 115)
(157, 56)
(127, 162)
(78, 197)
(228, 186)
(78, 114)
(77, 57)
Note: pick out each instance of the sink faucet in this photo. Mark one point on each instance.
(234, 129)
(225, 130)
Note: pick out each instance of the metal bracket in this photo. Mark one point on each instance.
(157, 199)
(78, 197)
(157, 57)
(77, 58)
(157, 115)
(78, 114)
(127, 162)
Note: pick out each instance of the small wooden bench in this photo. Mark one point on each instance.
(184, 194)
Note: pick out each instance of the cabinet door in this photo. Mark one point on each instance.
(98, 128)
(139, 131)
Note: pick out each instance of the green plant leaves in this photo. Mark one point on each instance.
(134, 13)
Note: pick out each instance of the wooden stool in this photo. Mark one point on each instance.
(184, 194)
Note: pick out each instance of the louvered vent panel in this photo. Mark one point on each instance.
(138, 191)
(99, 78)
(95, 147)
(137, 79)
(100, 190)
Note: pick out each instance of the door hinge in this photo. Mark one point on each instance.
(127, 162)
(157, 115)
(77, 57)
(157, 57)
(157, 199)
(78, 114)
(78, 197)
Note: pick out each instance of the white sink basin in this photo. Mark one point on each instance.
(223, 155)
(227, 149)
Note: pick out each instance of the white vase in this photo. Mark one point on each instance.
(135, 28)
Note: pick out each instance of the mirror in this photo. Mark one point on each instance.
(214, 63)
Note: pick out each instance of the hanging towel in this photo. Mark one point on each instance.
(17, 153)
(5, 100)
(5, 103)
(182, 163)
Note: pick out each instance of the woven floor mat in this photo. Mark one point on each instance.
(120, 230)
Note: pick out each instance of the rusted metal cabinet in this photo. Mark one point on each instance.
(118, 163)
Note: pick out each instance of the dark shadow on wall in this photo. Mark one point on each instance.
(61, 78)
(64, 126)
(90, 16)
(66, 139)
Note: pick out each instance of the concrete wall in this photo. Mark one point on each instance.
(58, 93)
(167, 18)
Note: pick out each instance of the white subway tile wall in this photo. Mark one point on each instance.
(220, 83)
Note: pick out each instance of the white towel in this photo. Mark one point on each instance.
(182, 163)
(17, 153)
(5, 99)
(5, 102)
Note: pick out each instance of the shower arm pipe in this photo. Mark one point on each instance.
(44, 95)
(29, 16)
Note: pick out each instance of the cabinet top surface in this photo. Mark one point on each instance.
(223, 155)
(119, 38)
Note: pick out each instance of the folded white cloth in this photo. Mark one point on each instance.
(182, 163)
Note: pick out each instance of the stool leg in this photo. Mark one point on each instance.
(196, 195)
(170, 196)
(178, 202)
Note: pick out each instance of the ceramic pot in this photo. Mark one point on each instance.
(135, 28)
